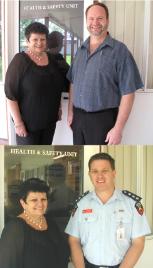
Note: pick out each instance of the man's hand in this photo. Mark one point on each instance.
(114, 136)
(133, 253)
(76, 252)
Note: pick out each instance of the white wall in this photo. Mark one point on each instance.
(139, 128)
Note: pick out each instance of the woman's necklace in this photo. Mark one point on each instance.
(37, 224)
(36, 57)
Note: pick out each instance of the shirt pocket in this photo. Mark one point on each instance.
(88, 218)
(106, 64)
(88, 223)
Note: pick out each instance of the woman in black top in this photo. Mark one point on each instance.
(31, 240)
(33, 88)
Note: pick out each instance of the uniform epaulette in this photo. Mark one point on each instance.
(136, 198)
(76, 203)
(132, 195)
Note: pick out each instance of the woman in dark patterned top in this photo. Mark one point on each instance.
(33, 86)
(31, 240)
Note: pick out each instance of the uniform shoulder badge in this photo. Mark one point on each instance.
(136, 198)
(76, 203)
(139, 208)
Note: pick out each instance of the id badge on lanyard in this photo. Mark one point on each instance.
(120, 231)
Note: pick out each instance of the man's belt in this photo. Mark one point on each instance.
(90, 265)
(115, 109)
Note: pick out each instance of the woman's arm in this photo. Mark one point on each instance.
(11, 245)
(16, 115)
(14, 75)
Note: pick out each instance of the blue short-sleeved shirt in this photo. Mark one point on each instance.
(100, 79)
(96, 225)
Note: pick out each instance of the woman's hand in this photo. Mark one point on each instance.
(21, 130)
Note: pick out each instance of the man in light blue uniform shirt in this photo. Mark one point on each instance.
(107, 227)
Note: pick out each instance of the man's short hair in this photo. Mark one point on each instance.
(102, 156)
(98, 4)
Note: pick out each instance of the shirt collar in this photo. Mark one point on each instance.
(116, 195)
(107, 42)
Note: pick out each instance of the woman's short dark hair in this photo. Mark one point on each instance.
(102, 156)
(36, 27)
(100, 5)
(32, 185)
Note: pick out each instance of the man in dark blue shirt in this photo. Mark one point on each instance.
(104, 77)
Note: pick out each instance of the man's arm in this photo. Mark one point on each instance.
(114, 136)
(133, 253)
(76, 252)
(70, 107)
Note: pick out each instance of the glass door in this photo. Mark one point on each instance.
(66, 17)
(60, 166)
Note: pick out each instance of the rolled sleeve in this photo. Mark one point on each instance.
(140, 225)
(128, 73)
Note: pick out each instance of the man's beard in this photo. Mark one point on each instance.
(99, 31)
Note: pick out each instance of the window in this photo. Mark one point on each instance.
(3, 122)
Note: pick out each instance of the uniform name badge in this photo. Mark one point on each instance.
(120, 233)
